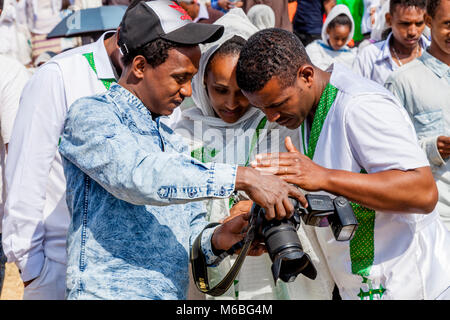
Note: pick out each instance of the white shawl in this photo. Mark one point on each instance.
(203, 129)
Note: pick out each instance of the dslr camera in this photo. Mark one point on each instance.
(281, 238)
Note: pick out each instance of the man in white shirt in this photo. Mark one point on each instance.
(423, 88)
(359, 143)
(13, 77)
(35, 226)
(405, 43)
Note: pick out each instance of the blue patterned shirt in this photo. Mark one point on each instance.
(131, 192)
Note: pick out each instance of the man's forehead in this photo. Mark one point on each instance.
(271, 94)
(184, 57)
(443, 10)
(402, 12)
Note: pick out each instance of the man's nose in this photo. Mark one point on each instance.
(271, 115)
(237, 100)
(412, 30)
(186, 89)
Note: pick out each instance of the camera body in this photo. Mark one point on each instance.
(281, 238)
(323, 211)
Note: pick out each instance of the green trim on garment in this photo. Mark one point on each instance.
(204, 154)
(90, 58)
(326, 100)
(362, 248)
(106, 82)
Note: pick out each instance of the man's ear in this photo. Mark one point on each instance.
(428, 20)
(305, 74)
(388, 18)
(138, 66)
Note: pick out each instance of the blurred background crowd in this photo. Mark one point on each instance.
(26, 25)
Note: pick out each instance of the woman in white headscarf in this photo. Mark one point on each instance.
(223, 127)
(337, 31)
(262, 16)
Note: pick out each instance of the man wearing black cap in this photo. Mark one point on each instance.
(133, 191)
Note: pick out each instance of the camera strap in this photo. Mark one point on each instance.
(199, 266)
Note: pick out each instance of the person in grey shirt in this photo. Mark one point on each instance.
(423, 88)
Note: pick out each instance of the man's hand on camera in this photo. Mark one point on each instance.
(293, 167)
(232, 231)
(269, 191)
(242, 207)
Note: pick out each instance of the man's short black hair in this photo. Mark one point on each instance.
(432, 6)
(155, 52)
(270, 53)
(406, 3)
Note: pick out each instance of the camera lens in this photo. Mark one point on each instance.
(289, 263)
(286, 252)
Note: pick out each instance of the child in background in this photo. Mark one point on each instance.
(337, 31)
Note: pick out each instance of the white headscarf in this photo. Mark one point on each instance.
(236, 23)
(262, 16)
(337, 10)
(214, 128)
(255, 278)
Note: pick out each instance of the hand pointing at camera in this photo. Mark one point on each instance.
(293, 167)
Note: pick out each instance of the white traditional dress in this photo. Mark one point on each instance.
(392, 255)
(212, 139)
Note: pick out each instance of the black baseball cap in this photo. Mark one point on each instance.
(150, 20)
